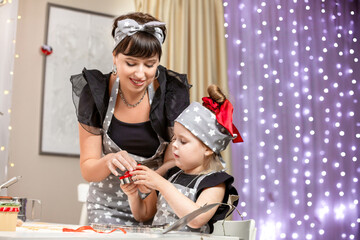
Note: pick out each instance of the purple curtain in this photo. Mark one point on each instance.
(294, 80)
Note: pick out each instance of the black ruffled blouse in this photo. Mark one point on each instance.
(91, 99)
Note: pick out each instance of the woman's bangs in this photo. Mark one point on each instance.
(143, 47)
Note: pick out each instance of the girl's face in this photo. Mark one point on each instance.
(189, 152)
(135, 73)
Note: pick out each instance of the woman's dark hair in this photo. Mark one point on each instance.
(140, 44)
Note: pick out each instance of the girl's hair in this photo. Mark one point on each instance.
(140, 44)
(218, 96)
(215, 163)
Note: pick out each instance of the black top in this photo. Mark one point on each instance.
(137, 138)
(210, 181)
(91, 99)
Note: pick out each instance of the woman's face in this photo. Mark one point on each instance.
(135, 73)
(189, 152)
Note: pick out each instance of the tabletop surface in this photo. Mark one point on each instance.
(39, 230)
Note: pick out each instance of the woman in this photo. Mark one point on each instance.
(126, 117)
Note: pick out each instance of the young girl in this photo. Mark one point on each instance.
(200, 134)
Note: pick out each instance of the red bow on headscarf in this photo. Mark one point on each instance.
(224, 116)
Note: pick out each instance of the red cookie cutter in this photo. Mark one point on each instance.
(127, 177)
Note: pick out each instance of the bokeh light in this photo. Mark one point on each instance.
(301, 127)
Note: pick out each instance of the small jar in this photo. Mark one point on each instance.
(8, 217)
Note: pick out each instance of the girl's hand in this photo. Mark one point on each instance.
(142, 188)
(146, 176)
(120, 160)
(130, 189)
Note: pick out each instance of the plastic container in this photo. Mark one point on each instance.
(8, 217)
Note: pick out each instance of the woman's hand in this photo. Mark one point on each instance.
(146, 176)
(120, 160)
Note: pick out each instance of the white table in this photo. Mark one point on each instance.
(54, 232)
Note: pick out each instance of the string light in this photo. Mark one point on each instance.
(8, 19)
(303, 132)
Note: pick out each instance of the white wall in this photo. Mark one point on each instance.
(52, 179)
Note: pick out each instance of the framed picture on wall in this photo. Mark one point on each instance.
(78, 39)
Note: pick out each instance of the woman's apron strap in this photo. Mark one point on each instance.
(111, 107)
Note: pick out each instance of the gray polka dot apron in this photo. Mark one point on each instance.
(107, 203)
(165, 214)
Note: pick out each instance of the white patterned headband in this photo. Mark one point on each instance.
(128, 27)
(203, 124)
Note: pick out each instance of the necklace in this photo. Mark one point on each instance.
(128, 104)
(189, 182)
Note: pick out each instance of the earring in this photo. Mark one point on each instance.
(157, 73)
(114, 69)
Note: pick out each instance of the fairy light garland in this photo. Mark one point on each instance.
(293, 70)
(8, 21)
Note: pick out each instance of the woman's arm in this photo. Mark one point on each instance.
(142, 209)
(169, 160)
(181, 204)
(94, 167)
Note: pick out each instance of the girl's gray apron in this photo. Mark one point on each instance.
(107, 203)
(165, 214)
